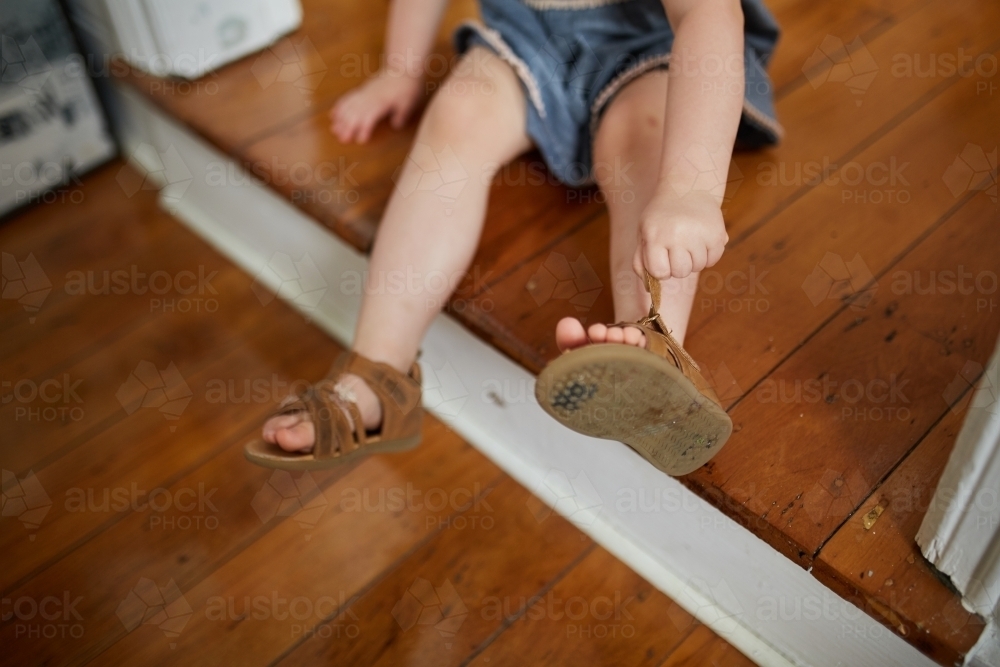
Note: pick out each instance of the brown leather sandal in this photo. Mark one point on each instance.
(336, 441)
(655, 399)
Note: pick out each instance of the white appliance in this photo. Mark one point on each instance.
(185, 38)
(52, 127)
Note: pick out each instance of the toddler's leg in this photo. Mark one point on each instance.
(631, 132)
(477, 118)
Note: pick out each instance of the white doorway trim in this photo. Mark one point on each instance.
(960, 534)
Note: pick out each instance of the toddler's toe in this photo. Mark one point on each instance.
(570, 334)
(634, 336)
(598, 333)
(297, 438)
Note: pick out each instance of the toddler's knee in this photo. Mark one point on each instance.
(626, 125)
(456, 117)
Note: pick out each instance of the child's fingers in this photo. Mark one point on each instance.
(336, 116)
(348, 130)
(355, 117)
(680, 262)
(351, 132)
(350, 110)
(637, 262)
(335, 109)
(336, 127)
(344, 119)
(367, 125)
(699, 259)
(344, 133)
(343, 104)
(714, 255)
(655, 260)
(342, 127)
(399, 115)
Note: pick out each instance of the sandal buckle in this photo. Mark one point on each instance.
(652, 317)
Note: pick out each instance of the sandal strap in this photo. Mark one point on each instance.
(658, 338)
(653, 287)
(349, 433)
(655, 322)
(323, 413)
(360, 435)
(384, 380)
(399, 394)
(330, 424)
(654, 325)
(328, 409)
(660, 342)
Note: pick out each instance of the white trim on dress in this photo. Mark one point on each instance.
(761, 118)
(505, 53)
(570, 4)
(616, 84)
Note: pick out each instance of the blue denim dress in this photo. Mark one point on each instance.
(572, 56)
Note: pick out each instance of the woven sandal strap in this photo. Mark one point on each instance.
(653, 287)
(387, 383)
(655, 321)
(333, 430)
(289, 407)
(398, 393)
(322, 412)
(347, 426)
(360, 436)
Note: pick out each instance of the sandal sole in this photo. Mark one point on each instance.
(267, 455)
(629, 394)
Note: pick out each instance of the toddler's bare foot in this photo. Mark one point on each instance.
(570, 334)
(295, 433)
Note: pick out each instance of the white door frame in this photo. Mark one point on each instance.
(960, 534)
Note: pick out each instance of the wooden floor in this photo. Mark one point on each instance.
(832, 327)
(828, 327)
(144, 538)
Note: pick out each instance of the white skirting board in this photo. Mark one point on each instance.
(761, 602)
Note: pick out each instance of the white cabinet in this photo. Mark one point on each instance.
(185, 38)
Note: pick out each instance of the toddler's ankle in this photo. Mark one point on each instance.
(367, 401)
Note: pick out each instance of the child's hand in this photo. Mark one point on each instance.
(357, 112)
(680, 235)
